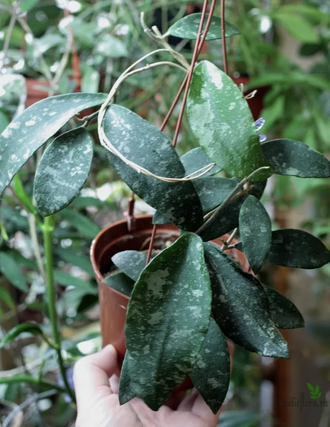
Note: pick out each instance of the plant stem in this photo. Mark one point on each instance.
(11, 25)
(31, 380)
(47, 233)
(223, 31)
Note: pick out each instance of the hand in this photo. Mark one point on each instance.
(98, 402)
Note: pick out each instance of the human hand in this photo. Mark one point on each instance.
(98, 402)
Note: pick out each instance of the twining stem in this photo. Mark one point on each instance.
(223, 31)
(47, 230)
(228, 199)
(31, 380)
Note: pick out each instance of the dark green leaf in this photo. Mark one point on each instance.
(80, 222)
(167, 321)
(310, 387)
(30, 130)
(10, 269)
(222, 122)
(187, 27)
(22, 196)
(289, 157)
(197, 159)
(284, 313)
(130, 262)
(74, 257)
(63, 170)
(67, 279)
(31, 328)
(211, 370)
(240, 306)
(256, 232)
(143, 144)
(212, 191)
(120, 282)
(160, 218)
(297, 249)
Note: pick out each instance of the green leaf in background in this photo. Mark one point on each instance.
(143, 144)
(6, 298)
(187, 27)
(40, 121)
(75, 258)
(22, 196)
(289, 157)
(67, 279)
(27, 5)
(196, 159)
(167, 321)
(255, 230)
(111, 47)
(10, 269)
(310, 387)
(31, 328)
(240, 306)
(211, 370)
(81, 223)
(240, 419)
(120, 282)
(221, 120)
(130, 262)
(90, 79)
(297, 26)
(284, 313)
(4, 122)
(63, 171)
(297, 249)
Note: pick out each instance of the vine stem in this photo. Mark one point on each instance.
(223, 31)
(47, 230)
(31, 380)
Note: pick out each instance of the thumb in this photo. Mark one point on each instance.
(91, 375)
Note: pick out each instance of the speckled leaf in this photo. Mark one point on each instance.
(297, 249)
(211, 371)
(229, 218)
(160, 218)
(255, 229)
(120, 282)
(222, 122)
(143, 144)
(130, 262)
(31, 129)
(187, 27)
(240, 306)
(196, 159)
(289, 157)
(62, 171)
(212, 191)
(167, 321)
(284, 313)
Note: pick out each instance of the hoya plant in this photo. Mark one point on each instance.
(190, 298)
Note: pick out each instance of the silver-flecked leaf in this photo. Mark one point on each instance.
(31, 129)
(146, 146)
(63, 171)
(297, 249)
(240, 306)
(187, 27)
(222, 122)
(211, 370)
(284, 313)
(197, 159)
(255, 230)
(167, 321)
(120, 282)
(289, 157)
(130, 262)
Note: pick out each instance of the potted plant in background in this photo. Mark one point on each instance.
(188, 297)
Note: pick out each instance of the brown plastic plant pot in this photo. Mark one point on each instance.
(116, 238)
